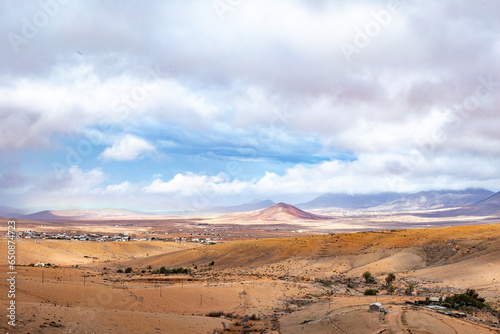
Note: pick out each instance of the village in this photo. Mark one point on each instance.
(125, 236)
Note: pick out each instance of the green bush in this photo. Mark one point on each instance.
(215, 314)
(128, 270)
(469, 298)
(165, 271)
(410, 289)
(370, 292)
(390, 278)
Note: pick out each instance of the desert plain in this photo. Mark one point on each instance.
(274, 271)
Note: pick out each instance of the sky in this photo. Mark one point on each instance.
(186, 105)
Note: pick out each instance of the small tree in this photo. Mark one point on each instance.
(390, 278)
(410, 289)
(368, 277)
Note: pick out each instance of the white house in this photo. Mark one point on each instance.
(375, 307)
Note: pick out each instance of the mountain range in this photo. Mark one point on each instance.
(349, 201)
(83, 214)
(435, 199)
(488, 206)
(453, 202)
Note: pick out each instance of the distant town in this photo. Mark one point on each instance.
(29, 234)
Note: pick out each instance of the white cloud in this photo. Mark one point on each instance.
(270, 80)
(127, 149)
(370, 173)
(191, 184)
(73, 181)
(120, 188)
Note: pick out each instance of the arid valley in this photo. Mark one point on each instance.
(274, 270)
(263, 166)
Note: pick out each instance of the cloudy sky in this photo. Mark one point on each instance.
(180, 105)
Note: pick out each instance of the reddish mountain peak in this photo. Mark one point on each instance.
(282, 210)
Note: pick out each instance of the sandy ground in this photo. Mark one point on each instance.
(275, 279)
(69, 252)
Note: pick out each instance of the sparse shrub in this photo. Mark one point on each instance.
(410, 289)
(128, 270)
(211, 263)
(215, 314)
(326, 282)
(370, 292)
(391, 289)
(119, 271)
(368, 277)
(165, 271)
(390, 278)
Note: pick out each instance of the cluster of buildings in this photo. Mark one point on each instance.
(77, 236)
(201, 240)
(113, 237)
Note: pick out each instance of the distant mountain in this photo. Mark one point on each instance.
(436, 199)
(10, 212)
(347, 201)
(486, 207)
(250, 206)
(283, 211)
(83, 214)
